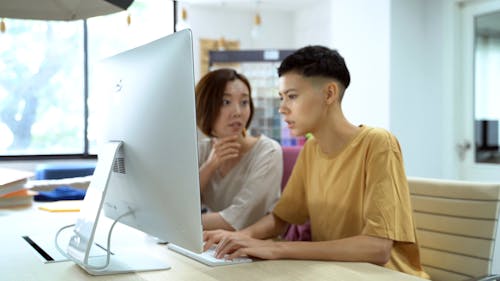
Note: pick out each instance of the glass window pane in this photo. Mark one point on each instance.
(109, 35)
(41, 88)
(487, 88)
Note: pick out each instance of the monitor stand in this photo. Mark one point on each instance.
(85, 228)
(125, 263)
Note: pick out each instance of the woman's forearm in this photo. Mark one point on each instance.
(269, 226)
(213, 221)
(361, 248)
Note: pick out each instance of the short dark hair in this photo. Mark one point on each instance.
(316, 61)
(209, 96)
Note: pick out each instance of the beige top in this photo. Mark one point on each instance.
(361, 191)
(250, 189)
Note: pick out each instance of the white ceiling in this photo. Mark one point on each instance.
(283, 5)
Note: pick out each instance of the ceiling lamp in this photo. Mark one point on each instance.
(183, 22)
(257, 22)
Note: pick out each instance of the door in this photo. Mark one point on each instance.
(479, 151)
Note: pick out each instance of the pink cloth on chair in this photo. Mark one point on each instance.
(294, 232)
(290, 154)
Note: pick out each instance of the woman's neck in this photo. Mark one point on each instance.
(335, 134)
(247, 142)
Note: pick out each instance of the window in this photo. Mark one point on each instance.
(487, 88)
(41, 88)
(43, 102)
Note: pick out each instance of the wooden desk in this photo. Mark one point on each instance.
(19, 262)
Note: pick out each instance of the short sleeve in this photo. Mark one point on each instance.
(387, 207)
(292, 206)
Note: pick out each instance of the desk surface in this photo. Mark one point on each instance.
(20, 262)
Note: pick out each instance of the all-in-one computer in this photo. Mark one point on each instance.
(147, 174)
(147, 171)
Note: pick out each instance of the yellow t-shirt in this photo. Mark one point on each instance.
(361, 191)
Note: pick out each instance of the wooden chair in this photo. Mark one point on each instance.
(457, 228)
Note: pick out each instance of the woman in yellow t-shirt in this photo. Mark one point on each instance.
(349, 180)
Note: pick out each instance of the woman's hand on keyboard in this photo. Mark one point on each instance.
(213, 237)
(236, 244)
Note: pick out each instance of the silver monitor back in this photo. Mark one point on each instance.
(147, 172)
(151, 109)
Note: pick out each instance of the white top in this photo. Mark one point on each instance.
(250, 189)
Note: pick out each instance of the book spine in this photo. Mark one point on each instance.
(12, 188)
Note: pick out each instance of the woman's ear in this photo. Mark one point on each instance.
(332, 92)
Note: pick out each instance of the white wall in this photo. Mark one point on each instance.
(312, 26)
(359, 30)
(214, 22)
(401, 55)
(422, 102)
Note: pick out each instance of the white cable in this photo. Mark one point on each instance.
(108, 247)
(57, 243)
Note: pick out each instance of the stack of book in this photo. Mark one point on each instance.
(23, 197)
(12, 188)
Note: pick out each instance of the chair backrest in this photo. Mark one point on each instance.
(294, 232)
(457, 227)
(290, 154)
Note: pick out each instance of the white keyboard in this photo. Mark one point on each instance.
(207, 257)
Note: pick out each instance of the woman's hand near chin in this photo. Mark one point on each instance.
(224, 149)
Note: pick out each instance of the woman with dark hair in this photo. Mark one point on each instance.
(240, 174)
